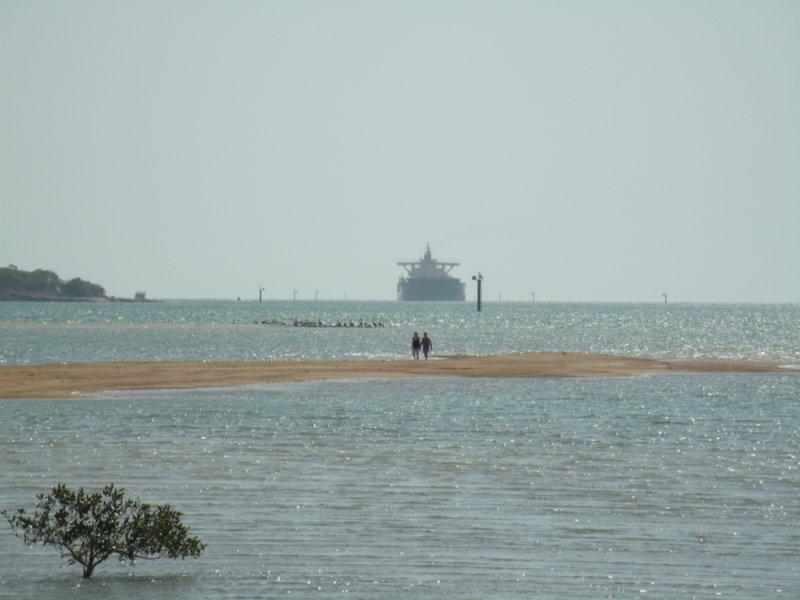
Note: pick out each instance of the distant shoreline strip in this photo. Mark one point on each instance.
(68, 380)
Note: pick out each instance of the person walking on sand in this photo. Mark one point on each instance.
(427, 344)
(415, 344)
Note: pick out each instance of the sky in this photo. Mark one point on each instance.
(584, 150)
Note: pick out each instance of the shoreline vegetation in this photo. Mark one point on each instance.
(24, 297)
(69, 380)
(41, 285)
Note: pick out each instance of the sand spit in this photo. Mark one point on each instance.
(73, 379)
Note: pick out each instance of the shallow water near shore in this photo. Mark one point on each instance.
(658, 486)
(36, 332)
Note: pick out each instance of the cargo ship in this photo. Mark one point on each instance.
(429, 279)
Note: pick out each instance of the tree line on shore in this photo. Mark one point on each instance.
(46, 283)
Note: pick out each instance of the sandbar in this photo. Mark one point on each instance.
(65, 380)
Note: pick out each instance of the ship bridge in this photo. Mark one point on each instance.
(427, 267)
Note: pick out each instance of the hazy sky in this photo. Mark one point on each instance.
(588, 150)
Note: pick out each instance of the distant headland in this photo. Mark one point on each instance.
(46, 286)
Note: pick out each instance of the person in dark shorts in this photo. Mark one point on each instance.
(427, 344)
(415, 344)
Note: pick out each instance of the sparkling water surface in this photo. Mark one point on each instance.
(663, 486)
(36, 332)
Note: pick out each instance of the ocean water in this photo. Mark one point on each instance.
(219, 330)
(660, 486)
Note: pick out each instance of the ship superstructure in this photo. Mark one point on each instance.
(429, 279)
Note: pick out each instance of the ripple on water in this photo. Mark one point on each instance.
(679, 485)
(220, 330)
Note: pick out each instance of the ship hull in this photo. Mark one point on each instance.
(445, 289)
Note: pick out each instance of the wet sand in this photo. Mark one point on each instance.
(76, 379)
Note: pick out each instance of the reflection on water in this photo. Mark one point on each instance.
(658, 486)
(215, 330)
